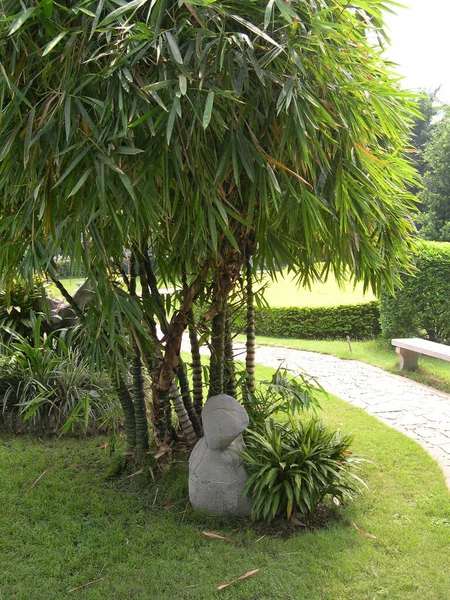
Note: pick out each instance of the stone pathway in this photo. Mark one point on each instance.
(420, 412)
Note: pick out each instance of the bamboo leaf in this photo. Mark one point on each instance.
(49, 47)
(80, 182)
(20, 19)
(249, 574)
(170, 123)
(268, 13)
(208, 109)
(174, 48)
(26, 154)
(122, 10)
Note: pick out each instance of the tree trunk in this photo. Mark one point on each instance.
(216, 368)
(126, 402)
(230, 374)
(171, 359)
(187, 401)
(153, 286)
(250, 343)
(183, 418)
(197, 377)
(140, 410)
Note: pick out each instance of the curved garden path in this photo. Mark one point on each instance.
(417, 410)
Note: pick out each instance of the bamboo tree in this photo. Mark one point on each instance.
(217, 358)
(187, 400)
(183, 417)
(292, 133)
(126, 402)
(250, 328)
(139, 401)
(197, 378)
(230, 373)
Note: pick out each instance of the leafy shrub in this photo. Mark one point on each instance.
(359, 321)
(293, 466)
(47, 387)
(16, 308)
(280, 395)
(422, 306)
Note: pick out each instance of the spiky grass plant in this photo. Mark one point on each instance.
(293, 466)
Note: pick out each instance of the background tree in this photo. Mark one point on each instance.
(422, 130)
(206, 133)
(435, 197)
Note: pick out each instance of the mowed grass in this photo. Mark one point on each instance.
(285, 292)
(71, 286)
(378, 352)
(75, 533)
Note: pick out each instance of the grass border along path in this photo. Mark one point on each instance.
(73, 533)
(379, 353)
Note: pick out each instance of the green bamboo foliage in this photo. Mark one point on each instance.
(183, 417)
(250, 330)
(230, 372)
(200, 123)
(197, 376)
(187, 399)
(217, 358)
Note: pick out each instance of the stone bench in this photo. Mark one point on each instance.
(410, 349)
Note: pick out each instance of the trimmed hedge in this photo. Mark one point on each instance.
(359, 321)
(422, 307)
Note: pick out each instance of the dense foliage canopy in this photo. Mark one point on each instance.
(204, 134)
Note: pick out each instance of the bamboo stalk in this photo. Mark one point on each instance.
(250, 343)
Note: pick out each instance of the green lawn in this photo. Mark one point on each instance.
(118, 538)
(285, 292)
(70, 285)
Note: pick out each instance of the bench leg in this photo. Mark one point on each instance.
(408, 359)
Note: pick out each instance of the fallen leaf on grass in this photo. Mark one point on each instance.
(297, 522)
(134, 474)
(249, 574)
(104, 447)
(38, 479)
(85, 585)
(364, 533)
(216, 536)
(171, 505)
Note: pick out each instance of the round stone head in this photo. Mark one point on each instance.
(224, 419)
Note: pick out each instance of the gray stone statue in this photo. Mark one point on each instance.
(216, 473)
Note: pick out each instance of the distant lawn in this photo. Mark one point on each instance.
(76, 534)
(285, 292)
(380, 353)
(70, 285)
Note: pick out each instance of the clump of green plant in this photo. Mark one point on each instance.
(282, 394)
(16, 308)
(293, 466)
(46, 386)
